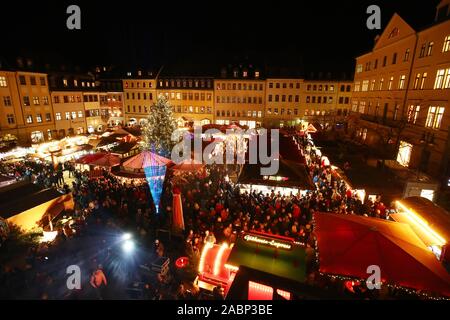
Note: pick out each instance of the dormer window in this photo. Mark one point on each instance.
(393, 33)
(256, 74)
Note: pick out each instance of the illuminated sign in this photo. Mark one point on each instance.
(268, 242)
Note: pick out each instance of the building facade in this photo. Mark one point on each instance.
(401, 94)
(239, 96)
(191, 98)
(26, 107)
(139, 93)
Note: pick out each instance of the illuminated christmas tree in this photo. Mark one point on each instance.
(157, 131)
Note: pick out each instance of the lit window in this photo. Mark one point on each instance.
(413, 113)
(45, 100)
(365, 85)
(416, 81)
(446, 46)
(359, 68)
(422, 81)
(58, 116)
(391, 80)
(29, 118)
(67, 115)
(406, 57)
(357, 86)
(74, 115)
(404, 153)
(38, 118)
(65, 82)
(434, 117)
(380, 87)
(430, 48)
(3, 82)
(438, 83)
(401, 82)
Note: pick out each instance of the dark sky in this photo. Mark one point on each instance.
(325, 35)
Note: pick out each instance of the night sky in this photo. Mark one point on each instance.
(318, 35)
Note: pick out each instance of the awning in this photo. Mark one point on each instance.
(273, 255)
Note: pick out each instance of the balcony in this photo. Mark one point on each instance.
(383, 121)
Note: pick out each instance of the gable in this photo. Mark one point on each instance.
(396, 29)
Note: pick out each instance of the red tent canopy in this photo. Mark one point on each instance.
(89, 158)
(146, 159)
(348, 244)
(109, 160)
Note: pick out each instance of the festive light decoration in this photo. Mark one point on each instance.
(284, 294)
(157, 130)
(206, 247)
(231, 267)
(218, 259)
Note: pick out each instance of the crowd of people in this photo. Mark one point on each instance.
(214, 208)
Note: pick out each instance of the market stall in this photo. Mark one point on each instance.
(430, 222)
(292, 177)
(359, 242)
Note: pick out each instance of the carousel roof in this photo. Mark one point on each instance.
(146, 159)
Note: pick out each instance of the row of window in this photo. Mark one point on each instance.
(233, 113)
(191, 96)
(66, 99)
(191, 83)
(32, 80)
(283, 98)
(36, 101)
(434, 116)
(240, 86)
(69, 115)
(248, 100)
(284, 85)
(433, 119)
(426, 50)
(75, 83)
(96, 113)
(29, 118)
(442, 81)
(138, 95)
(90, 98)
(138, 84)
(191, 109)
(319, 99)
(283, 111)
